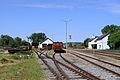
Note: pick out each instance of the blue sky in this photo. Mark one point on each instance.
(24, 17)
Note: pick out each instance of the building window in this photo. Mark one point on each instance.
(99, 46)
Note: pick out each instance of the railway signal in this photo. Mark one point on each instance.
(70, 37)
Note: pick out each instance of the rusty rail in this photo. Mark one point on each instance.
(58, 77)
(96, 64)
(80, 71)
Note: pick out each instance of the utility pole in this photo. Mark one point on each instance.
(66, 24)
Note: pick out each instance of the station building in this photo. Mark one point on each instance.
(99, 42)
(47, 44)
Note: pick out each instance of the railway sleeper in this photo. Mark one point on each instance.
(49, 67)
(81, 71)
(98, 65)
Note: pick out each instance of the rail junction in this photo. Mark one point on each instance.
(77, 66)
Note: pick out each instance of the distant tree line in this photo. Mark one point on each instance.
(8, 41)
(113, 39)
(74, 44)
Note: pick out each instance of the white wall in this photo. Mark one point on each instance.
(89, 46)
(48, 41)
(40, 46)
(102, 44)
(90, 43)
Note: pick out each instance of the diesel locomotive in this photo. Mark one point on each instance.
(58, 47)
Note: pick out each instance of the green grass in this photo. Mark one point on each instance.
(20, 69)
(50, 53)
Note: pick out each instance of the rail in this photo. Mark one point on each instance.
(97, 64)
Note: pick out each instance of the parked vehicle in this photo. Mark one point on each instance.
(58, 47)
(20, 48)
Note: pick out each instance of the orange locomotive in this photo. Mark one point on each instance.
(58, 47)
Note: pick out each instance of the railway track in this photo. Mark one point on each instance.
(64, 75)
(72, 73)
(103, 53)
(42, 56)
(59, 73)
(81, 71)
(112, 68)
(65, 71)
(100, 60)
(101, 57)
(109, 54)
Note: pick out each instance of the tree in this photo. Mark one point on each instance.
(86, 42)
(114, 40)
(18, 41)
(37, 37)
(25, 43)
(6, 41)
(110, 28)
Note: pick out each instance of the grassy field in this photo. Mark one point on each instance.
(20, 66)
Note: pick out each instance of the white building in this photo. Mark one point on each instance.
(91, 42)
(99, 42)
(47, 44)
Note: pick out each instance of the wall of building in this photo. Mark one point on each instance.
(102, 44)
(48, 41)
(90, 43)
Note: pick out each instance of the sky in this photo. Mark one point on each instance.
(85, 18)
